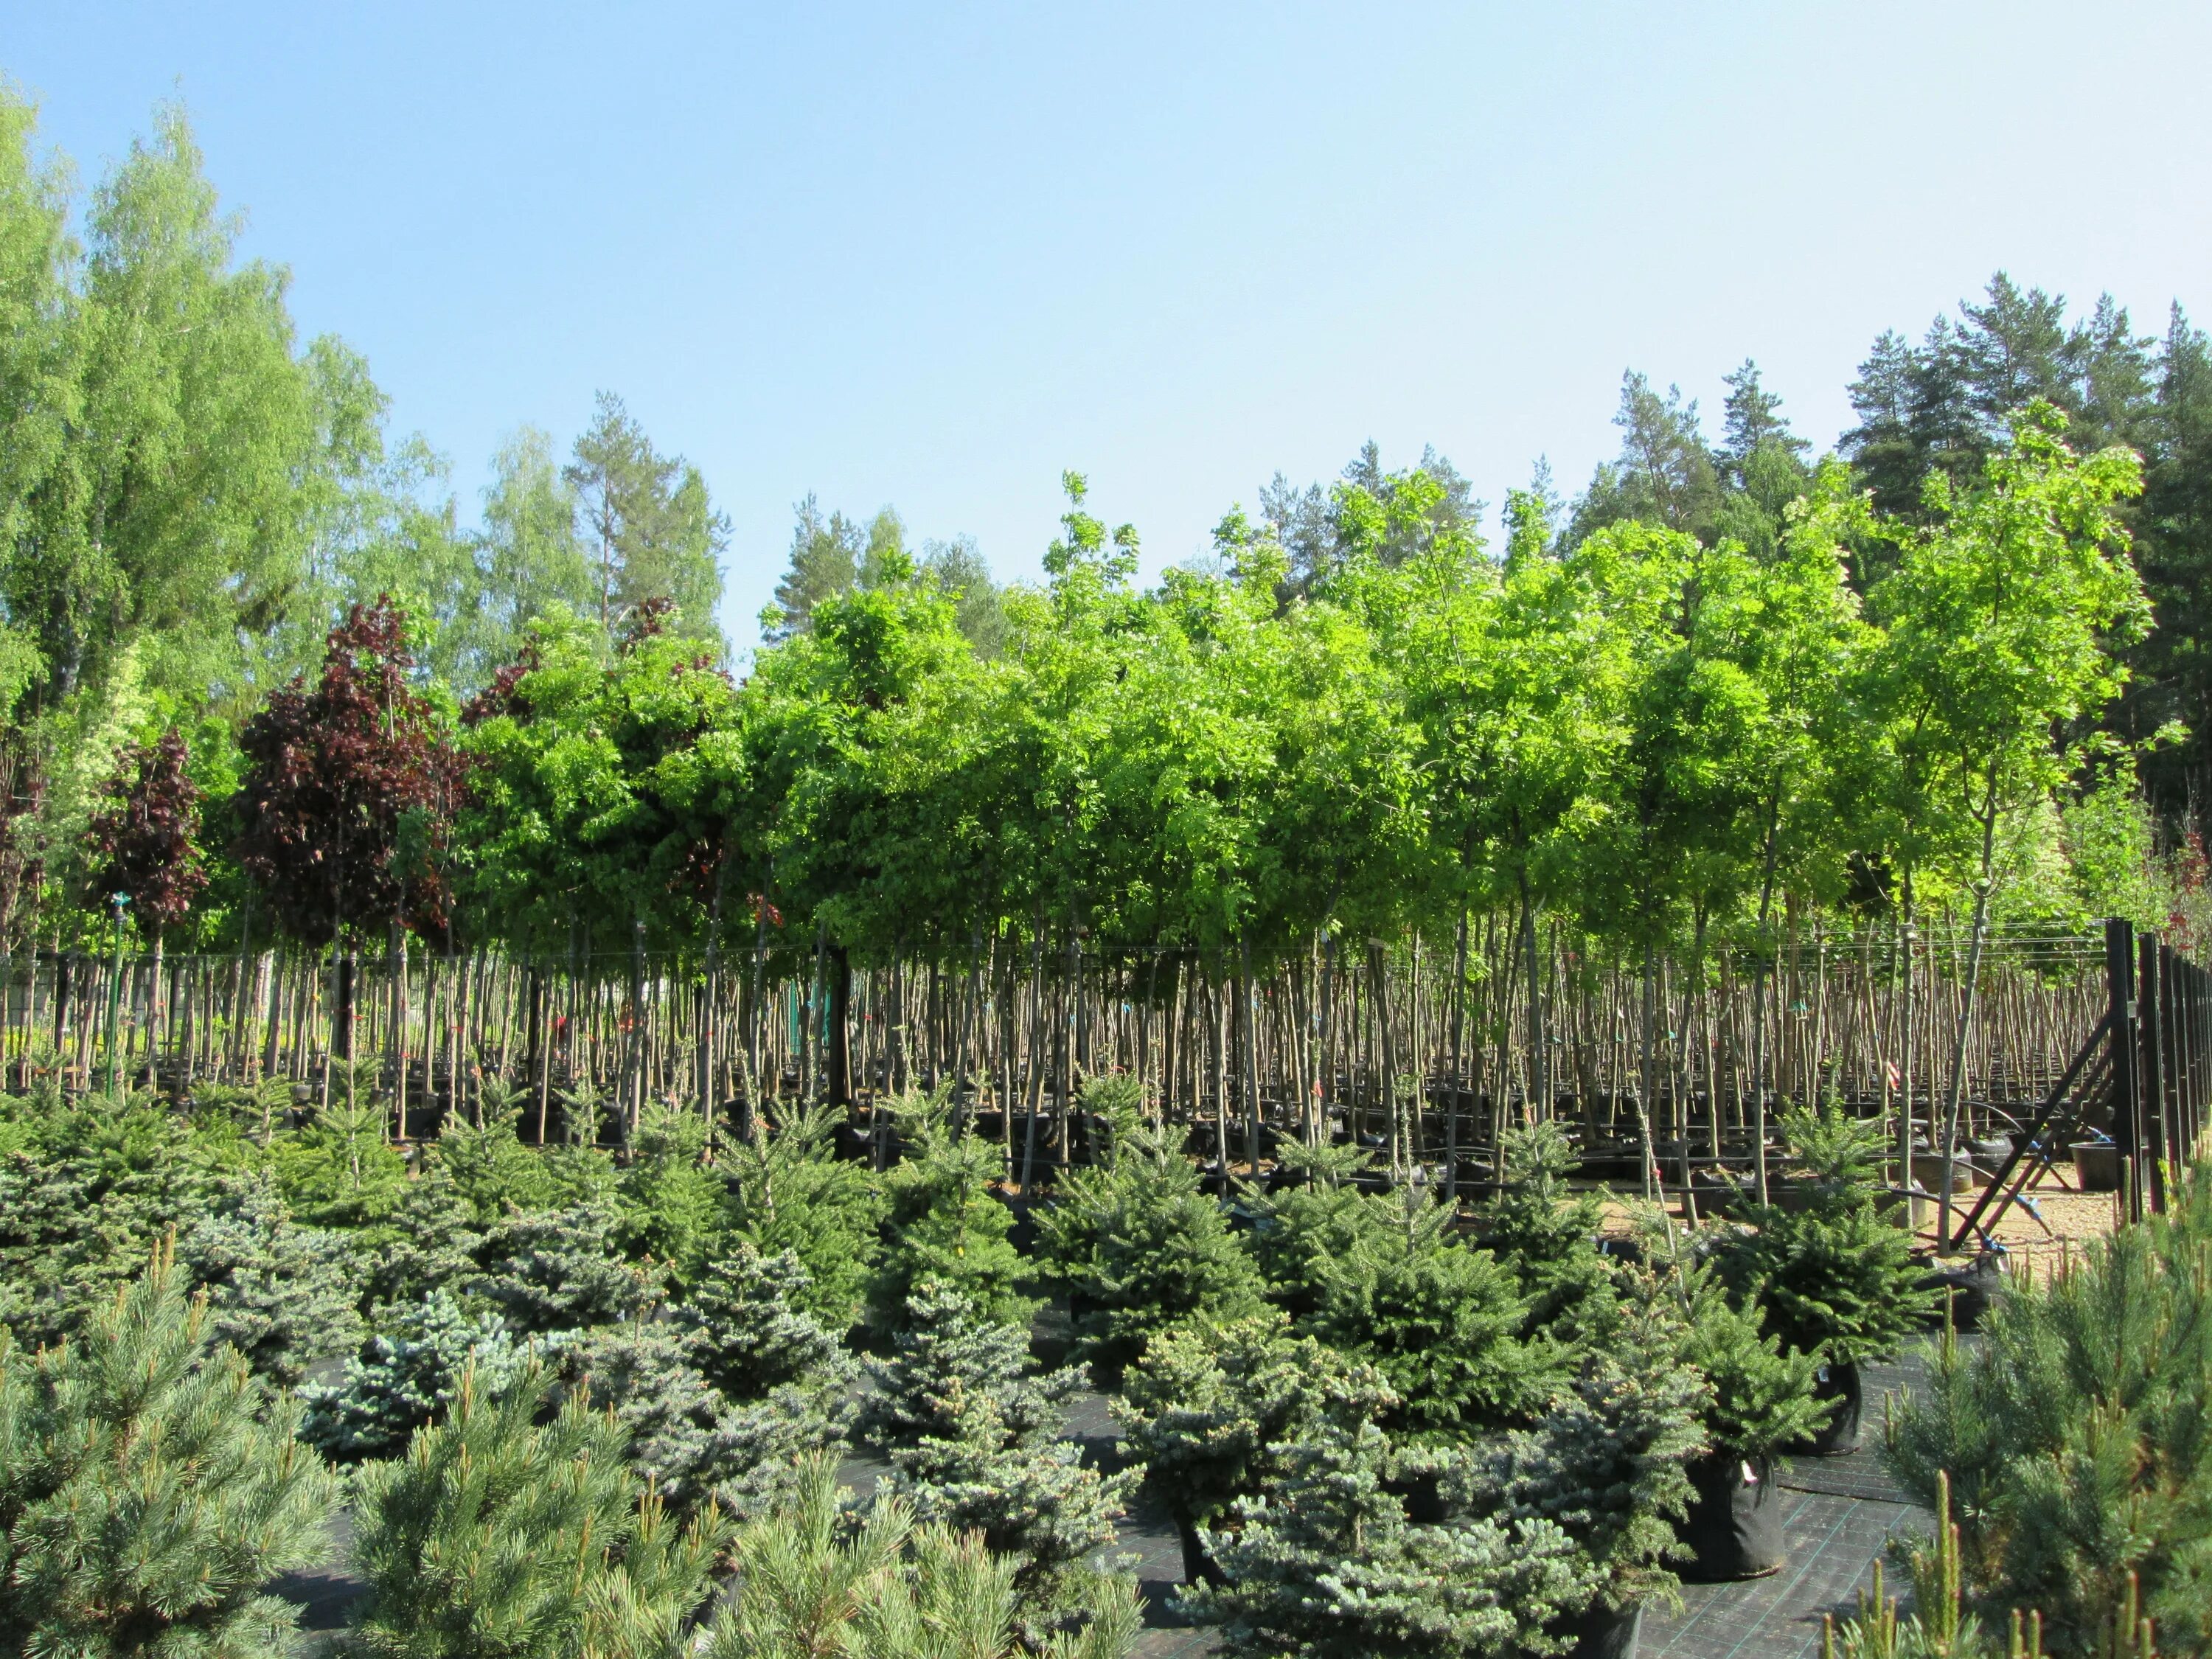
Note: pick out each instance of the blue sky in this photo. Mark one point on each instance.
(933, 256)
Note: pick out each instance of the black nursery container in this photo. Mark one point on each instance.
(1841, 1434)
(1600, 1631)
(1733, 1528)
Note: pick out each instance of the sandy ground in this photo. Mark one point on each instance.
(2053, 1222)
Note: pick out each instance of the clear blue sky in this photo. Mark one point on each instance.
(932, 256)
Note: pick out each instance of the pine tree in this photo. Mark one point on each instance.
(973, 1435)
(1836, 1278)
(814, 1580)
(149, 1488)
(650, 531)
(672, 1202)
(499, 1534)
(1326, 1564)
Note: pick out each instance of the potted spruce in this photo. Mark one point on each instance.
(1212, 1407)
(1764, 1398)
(1608, 1465)
(1835, 1276)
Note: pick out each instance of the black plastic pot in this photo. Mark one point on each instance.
(1602, 1632)
(1968, 1289)
(1841, 1384)
(1733, 1528)
(2096, 1166)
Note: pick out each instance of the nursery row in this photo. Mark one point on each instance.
(1411, 1050)
(575, 1392)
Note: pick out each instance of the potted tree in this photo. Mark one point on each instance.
(1211, 1407)
(1764, 1397)
(1608, 1464)
(1836, 1278)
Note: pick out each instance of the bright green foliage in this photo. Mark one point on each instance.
(1762, 1394)
(1438, 1320)
(1327, 1565)
(813, 1580)
(1304, 1230)
(1142, 1249)
(602, 794)
(1545, 1233)
(149, 1488)
(406, 1375)
(282, 1295)
(87, 1189)
(1836, 1279)
(499, 1535)
(945, 1225)
(791, 1192)
(2068, 1435)
(1212, 1408)
(488, 1168)
(974, 1438)
(1605, 1463)
(671, 1203)
(338, 1170)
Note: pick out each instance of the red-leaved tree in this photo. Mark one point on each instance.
(350, 791)
(145, 840)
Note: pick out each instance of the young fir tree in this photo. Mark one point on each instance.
(1605, 1463)
(1837, 1279)
(1440, 1323)
(1763, 1394)
(813, 1579)
(729, 1395)
(1536, 1225)
(944, 1223)
(671, 1201)
(498, 1533)
(562, 1270)
(973, 1435)
(1327, 1564)
(406, 1376)
(1304, 1230)
(149, 1488)
(1212, 1408)
(1142, 1248)
(89, 1188)
(790, 1192)
(282, 1295)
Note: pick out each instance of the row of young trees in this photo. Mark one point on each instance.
(1663, 744)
